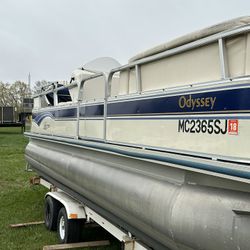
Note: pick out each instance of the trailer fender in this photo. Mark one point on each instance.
(74, 209)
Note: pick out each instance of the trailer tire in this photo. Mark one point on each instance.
(51, 209)
(68, 230)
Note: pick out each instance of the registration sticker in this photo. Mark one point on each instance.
(233, 127)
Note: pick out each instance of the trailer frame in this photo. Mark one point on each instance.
(77, 210)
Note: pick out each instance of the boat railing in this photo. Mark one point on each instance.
(80, 99)
(219, 38)
(53, 87)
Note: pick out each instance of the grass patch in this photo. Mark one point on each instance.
(20, 202)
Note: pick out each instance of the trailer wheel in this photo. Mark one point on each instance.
(51, 208)
(68, 230)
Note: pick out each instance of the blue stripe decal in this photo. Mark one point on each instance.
(213, 102)
(69, 113)
(90, 111)
(205, 117)
(38, 118)
(54, 114)
(218, 101)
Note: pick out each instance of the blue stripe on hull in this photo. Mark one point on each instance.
(224, 101)
(221, 102)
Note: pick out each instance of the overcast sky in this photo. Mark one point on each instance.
(50, 38)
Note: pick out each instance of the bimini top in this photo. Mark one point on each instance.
(228, 25)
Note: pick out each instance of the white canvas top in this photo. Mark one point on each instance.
(231, 24)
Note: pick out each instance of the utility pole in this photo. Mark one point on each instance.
(29, 80)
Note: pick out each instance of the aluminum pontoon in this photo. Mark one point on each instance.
(160, 146)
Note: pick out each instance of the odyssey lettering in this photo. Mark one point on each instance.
(189, 102)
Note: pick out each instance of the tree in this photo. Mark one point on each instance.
(4, 94)
(13, 94)
(38, 85)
